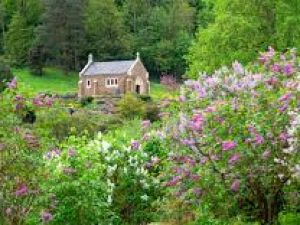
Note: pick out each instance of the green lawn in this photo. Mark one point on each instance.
(55, 81)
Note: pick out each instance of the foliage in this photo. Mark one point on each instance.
(86, 100)
(5, 76)
(234, 142)
(130, 107)
(267, 22)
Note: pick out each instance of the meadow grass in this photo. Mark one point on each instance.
(55, 81)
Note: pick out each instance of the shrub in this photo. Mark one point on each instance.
(5, 76)
(86, 101)
(145, 98)
(152, 112)
(130, 107)
(235, 139)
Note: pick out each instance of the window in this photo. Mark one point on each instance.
(88, 84)
(111, 82)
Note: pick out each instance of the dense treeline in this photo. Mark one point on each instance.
(36, 33)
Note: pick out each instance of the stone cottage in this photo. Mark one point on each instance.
(113, 78)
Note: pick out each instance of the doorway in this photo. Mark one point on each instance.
(138, 89)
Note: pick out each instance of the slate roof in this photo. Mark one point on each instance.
(107, 68)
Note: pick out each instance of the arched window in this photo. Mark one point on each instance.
(88, 84)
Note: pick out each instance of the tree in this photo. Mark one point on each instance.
(105, 30)
(240, 30)
(62, 32)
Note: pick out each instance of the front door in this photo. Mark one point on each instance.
(138, 89)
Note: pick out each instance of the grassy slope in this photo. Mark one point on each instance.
(56, 82)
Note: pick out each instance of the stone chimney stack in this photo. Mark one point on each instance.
(90, 59)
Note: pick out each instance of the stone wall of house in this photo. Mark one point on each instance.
(98, 85)
(126, 83)
(140, 72)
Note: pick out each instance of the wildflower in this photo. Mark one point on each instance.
(72, 152)
(8, 211)
(197, 122)
(266, 154)
(146, 124)
(283, 108)
(13, 83)
(259, 139)
(276, 68)
(285, 97)
(69, 170)
(272, 81)
(145, 197)
(238, 68)
(174, 181)
(195, 177)
(234, 159)
(197, 192)
(228, 145)
(135, 144)
(284, 136)
(288, 69)
(46, 216)
(235, 186)
(22, 191)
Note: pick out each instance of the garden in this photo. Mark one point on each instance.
(220, 149)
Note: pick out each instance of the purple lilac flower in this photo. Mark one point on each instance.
(135, 145)
(259, 139)
(197, 122)
(238, 68)
(197, 192)
(272, 81)
(286, 97)
(194, 177)
(234, 159)
(8, 211)
(13, 83)
(288, 69)
(276, 68)
(283, 108)
(174, 181)
(266, 154)
(145, 124)
(284, 136)
(228, 145)
(46, 216)
(235, 186)
(22, 191)
(72, 152)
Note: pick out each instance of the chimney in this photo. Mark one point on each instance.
(138, 56)
(90, 59)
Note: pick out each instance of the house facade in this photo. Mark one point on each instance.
(113, 78)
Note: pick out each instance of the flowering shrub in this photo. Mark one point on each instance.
(235, 142)
(169, 81)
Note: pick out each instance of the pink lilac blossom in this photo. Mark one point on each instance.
(234, 159)
(146, 124)
(238, 68)
(276, 68)
(197, 122)
(286, 97)
(259, 139)
(288, 69)
(266, 154)
(46, 216)
(235, 186)
(228, 145)
(72, 152)
(13, 83)
(135, 145)
(174, 181)
(22, 191)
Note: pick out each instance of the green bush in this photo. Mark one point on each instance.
(152, 112)
(130, 107)
(86, 100)
(289, 219)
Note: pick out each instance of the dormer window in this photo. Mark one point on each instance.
(111, 82)
(88, 84)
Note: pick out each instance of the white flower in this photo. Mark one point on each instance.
(111, 169)
(105, 146)
(133, 161)
(109, 199)
(145, 197)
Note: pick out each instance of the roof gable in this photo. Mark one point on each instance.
(107, 68)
